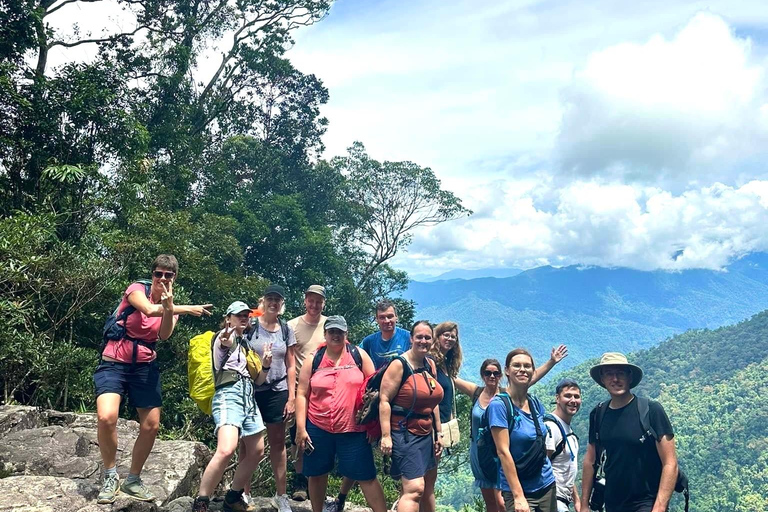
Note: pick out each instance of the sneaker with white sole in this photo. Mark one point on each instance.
(281, 503)
(330, 505)
(137, 490)
(110, 488)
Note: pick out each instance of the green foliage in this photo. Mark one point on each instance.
(711, 383)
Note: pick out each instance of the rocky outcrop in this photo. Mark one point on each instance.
(51, 462)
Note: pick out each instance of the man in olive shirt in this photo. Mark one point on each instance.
(309, 332)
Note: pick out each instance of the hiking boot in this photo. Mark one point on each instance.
(109, 489)
(299, 495)
(281, 503)
(200, 505)
(234, 502)
(137, 490)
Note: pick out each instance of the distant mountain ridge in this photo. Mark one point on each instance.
(591, 309)
(469, 274)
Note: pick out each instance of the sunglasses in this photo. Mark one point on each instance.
(489, 373)
(160, 275)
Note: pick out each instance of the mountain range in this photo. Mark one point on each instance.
(591, 309)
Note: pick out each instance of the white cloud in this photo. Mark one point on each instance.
(690, 109)
(602, 224)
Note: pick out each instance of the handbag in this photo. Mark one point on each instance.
(451, 432)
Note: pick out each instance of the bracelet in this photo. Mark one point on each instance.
(266, 368)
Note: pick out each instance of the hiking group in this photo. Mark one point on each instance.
(259, 374)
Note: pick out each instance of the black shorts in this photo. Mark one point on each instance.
(139, 382)
(271, 405)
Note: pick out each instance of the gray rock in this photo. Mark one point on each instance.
(64, 446)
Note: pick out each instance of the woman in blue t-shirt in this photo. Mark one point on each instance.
(527, 481)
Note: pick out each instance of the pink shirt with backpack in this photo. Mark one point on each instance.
(332, 394)
(138, 326)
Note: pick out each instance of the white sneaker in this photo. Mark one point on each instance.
(247, 498)
(281, 503)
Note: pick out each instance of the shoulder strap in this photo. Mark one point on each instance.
(643, 410)
(318, 358)
(284, 329)
(550, 418)
(129, 309)
(355, 353)
(535, 406)
(510, 412)
(476, 395)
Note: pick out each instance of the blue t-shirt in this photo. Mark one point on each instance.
(381, 351)
(521, 437)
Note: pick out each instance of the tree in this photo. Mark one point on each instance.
(391, 200)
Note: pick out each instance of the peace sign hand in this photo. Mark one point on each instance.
(167, 297)
(226, 337)
(266, 360)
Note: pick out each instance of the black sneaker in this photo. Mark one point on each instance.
(200, 505)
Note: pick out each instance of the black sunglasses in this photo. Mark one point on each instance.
(160, 275)
(489, 373)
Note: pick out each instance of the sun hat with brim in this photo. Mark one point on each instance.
(335, 322)
(237, 307)
(616, 359)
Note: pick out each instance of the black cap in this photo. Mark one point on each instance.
(275, 289)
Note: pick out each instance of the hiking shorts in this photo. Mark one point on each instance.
(272, 404)
(412, 455)
(139, 382)
(543, 500)
(234, 405)
(352, 449)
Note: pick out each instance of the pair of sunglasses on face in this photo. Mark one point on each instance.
(163, 275)
(489, 373)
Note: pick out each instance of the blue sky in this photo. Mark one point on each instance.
(599, 133)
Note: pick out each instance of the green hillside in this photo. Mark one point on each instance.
(713, 385)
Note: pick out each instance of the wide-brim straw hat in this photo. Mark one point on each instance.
(616, 359)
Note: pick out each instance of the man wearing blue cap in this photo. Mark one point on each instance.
(563, 445)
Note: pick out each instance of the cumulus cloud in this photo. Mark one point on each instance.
(690, 109)
(602, 224)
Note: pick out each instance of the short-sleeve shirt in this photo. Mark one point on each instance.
(630, 452)
(565, 465)
(381, 351)
(308, 338)
(521, 436)
(333, 390)
(229, 358)
(276, 378)
(139, 326)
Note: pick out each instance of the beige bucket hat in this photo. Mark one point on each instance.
(616, 359)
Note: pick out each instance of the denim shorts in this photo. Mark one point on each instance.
(139, 382)
(352, 449)
(234, 405)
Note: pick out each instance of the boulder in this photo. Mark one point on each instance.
(36, 446)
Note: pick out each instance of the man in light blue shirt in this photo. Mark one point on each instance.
(390, 341)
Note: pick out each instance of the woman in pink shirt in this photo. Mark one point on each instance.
(128, 367)
(325, 417)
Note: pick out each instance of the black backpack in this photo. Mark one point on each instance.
(352, 349)
(369, 411)
(550, 418)
(114, 327)
(530, 463)
(643, 409)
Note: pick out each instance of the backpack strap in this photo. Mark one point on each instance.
(510, 411)
(476, 394)
(352, 349)
(550, 418)
(283, 328)
(599, 413)
(535, 406)
(643, 409)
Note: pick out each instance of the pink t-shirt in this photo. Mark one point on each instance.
(138, 326)
(333, 390)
